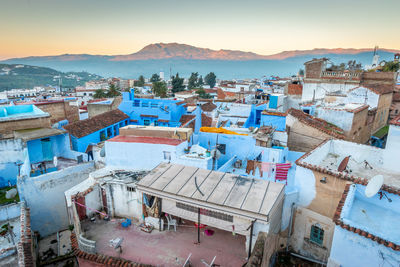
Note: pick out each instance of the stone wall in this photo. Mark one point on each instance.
(7, 127)
(382, 112)
(61, 110)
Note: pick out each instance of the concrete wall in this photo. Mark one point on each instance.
(11, 151)
(302, 137)
(10, 211)
(300, 239)
(44, 195)
(125, 203)
(7, 127)
(382, 112)
(139, 156)
(97, 109)
(350, 249)
(322, 87)
(93, 201)
(391, 153)
(62, 110)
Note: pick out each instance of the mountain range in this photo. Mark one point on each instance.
(182, 58)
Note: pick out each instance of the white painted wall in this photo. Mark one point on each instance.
(93, 201)
(322, 88)
(391, 154)
(305, 183)
(340, 118)
(139, 156)
(363, 96)
(126, 203)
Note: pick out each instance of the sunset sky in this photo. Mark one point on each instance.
(52, 27)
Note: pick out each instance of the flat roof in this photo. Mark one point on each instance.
(328, 156)
(146, 140)
(226, 192)
(32, 134)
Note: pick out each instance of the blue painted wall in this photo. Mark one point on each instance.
(273, 101)
(44, 195)
(279, 122)
(163, 109)
(80, 144)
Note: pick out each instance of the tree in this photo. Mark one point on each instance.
(391, 66)
(202, 93)
(177, 83)
(155, 78)
(210, 79)
(99, 93)
(113, 91)
(140, 81)
(160, 89)
(200, 82)
(193, 80)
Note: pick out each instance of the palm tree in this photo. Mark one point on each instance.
(113, 91)
(100, 93)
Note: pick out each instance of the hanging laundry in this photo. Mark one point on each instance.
(258, 165)
(250, 166)
(282, 170)
(268, 167)
(233, 230)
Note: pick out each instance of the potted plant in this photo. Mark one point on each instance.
(187, 150)
(208, 153)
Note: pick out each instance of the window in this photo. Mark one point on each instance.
(131, 189)
(103, 136)
(121, 124)
(209, 213)
(155, 123)
(154, 105)
(167, 155)
(317, 234)
(109, 132)
(136, 103)
(146, 105)
(146, 122)
(126, 122)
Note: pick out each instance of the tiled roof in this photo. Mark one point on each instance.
(163, 120)
(379, 89)
(317, 123)
(205, 121)
(396, 96)
(339, 222)
(186, 118)
(208, 107)
(395, 121)
(85, 127)
(180, 103)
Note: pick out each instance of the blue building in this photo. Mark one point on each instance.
(96, 129)
(157, 112)
(366, 231)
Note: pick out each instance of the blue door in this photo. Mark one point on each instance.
(46, 149)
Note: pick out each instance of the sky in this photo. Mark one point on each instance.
(117, 27)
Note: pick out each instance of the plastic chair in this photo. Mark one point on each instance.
(171, 222)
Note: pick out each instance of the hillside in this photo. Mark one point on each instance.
(185, 59)
(26, 76)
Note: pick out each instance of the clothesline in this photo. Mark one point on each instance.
(79, 204)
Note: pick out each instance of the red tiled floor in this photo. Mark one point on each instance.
(168, 248)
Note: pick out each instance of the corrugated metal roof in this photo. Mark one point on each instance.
(215, 190)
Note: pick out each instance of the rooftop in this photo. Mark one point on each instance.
(365, 161)
(375, 218)
(252, 198)
(31, 134)
(350, 107)
(167, 248)
(85, 127)
(317, 123)
(146, 140)
(395, 121)
(21, 112)
(379, 89)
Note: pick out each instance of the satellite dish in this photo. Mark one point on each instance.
(343, 164)
(374, 186)
(215, 153)
(103, 152)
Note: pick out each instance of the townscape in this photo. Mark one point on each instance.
(185, 172)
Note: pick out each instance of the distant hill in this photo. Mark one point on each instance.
(26, 76)
(185, 59)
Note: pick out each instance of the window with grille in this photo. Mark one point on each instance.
(131, 189)
(209, 213)
(317, 234)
